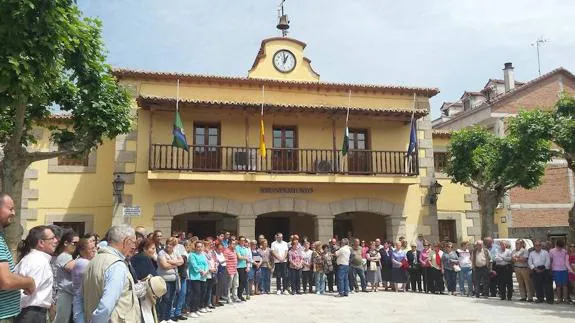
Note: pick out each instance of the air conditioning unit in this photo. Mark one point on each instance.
(244, 160)
(323, 166)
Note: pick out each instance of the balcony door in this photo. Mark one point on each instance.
(284, 154)
(207, 151)
(359, 156)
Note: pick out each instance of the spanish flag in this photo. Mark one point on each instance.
(262, 130)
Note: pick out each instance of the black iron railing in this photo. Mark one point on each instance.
(201, 158)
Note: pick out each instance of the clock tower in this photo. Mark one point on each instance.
(282, 57)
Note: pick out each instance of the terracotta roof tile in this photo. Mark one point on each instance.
(422, 91)
(148, 101)
(436, 133)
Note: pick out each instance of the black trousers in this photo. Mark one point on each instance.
(493, 283)
(198, 290)
(481, 280)
(32, 314)
(542, 281)
(295, 275)
(330, 277)
(307, 280)
(281, 273)
(426, 274)
(436, 281)
(242, 282)
(415, 278)
(505, 281)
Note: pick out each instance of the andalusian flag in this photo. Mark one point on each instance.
(179, 134)
(345, 144)
(178, 131)
(262, 130)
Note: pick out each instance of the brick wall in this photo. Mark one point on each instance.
(542, 95)
(529, 218)
(554, 189)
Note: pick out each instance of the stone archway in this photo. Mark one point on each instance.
(393, 213)
(165, 212)
(246, 213)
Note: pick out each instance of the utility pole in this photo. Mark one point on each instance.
(538, 44)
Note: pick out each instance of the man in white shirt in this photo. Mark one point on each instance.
(539, 262)
(343, 254)
(279, 253)
(419, 242)
(37, 251)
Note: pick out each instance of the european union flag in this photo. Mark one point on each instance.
(412, 139)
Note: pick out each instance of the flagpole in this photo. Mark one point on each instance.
(263, 98)
(348, 105)
(177, 94)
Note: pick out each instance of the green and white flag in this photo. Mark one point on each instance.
(345, 144)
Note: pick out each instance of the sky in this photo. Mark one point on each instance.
(454, 45)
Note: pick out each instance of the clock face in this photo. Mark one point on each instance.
(284, 61)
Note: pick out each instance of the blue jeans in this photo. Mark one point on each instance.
(319, 278)
(166, 302)
(451, 278)
(465, 275)
(265, 279)
(343, 280)
(181, 300)
(361, 273)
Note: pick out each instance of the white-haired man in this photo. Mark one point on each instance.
(112, 293)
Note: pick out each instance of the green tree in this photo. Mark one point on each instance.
(51, 57)
(493, 165)
(564, 137)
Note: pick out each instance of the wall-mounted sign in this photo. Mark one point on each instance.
(286, 190)
(132, 211)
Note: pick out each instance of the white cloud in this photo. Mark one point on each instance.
(454, 45)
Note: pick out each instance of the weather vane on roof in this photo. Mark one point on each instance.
(283, 23)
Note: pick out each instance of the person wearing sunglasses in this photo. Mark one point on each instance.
(64, 265)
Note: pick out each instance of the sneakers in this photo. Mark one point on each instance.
(203, 310)
(194, 315)
(279, 292)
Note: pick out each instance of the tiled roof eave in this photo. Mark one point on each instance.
(150, 101)
(421, 91)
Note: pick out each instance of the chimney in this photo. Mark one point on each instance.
(508, 77)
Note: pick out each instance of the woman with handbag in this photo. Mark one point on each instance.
(399, 268)
(450, 263)
(373, 267)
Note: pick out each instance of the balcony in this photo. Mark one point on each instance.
(288, 161)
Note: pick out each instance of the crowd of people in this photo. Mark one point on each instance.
(133, 276)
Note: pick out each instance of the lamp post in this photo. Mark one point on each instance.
(118, 192)
(118, 185)
(434, 191)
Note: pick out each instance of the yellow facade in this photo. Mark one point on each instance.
(383, 199)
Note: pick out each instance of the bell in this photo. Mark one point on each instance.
(283, 23)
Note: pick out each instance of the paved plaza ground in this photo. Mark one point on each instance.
(386, 307)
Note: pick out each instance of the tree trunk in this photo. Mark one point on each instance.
(488, 201)
(12, 169)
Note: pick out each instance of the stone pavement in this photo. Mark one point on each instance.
(386, 307)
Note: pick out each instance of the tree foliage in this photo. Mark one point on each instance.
(493, 165)
(53, 58)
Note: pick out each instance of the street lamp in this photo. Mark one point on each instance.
(434, 191)
(118, 185)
